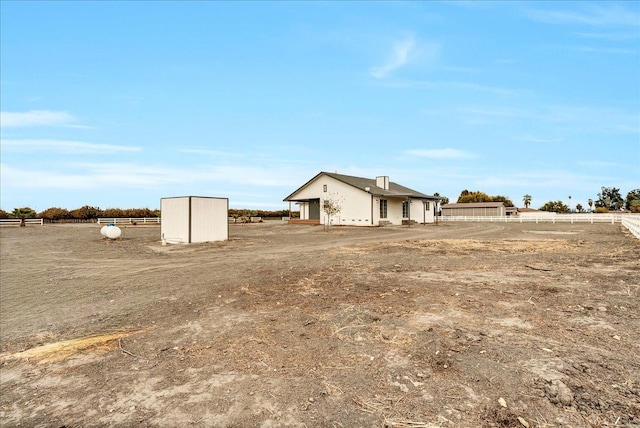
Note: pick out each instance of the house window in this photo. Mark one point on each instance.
(405, 209)
(383, 208)
(324, 188)
(427, 205)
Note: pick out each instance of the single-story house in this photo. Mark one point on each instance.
(475, 209)
(330, 198)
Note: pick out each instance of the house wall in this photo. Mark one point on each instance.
(417, 211)
(356, 204)
(429, 212)
(359, 208)
(394, 210)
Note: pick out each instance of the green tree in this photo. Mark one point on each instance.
(443, 199)
(633, 198)
(499, 198)
(24, 212)
(4, 214)
(579, 208)
(555, 206)
(610, 199)
(526, 200)
(590, 202)
(477, 196)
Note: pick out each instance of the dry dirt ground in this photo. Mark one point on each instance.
(450, 325)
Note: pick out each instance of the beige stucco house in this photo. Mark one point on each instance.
(362, 201)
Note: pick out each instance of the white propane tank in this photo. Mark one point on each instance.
(113, 232)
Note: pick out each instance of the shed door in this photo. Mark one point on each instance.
(314, 209)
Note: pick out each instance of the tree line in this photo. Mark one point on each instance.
(609, 199)
(88, 213)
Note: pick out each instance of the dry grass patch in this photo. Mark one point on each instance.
(59, 351)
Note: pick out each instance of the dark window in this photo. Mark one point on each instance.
(405, 209)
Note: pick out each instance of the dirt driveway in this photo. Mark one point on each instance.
(450, 325)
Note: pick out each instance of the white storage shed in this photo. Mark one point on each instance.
(192, 219)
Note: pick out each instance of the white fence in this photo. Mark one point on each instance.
(633, 224)
(17, 221)
(630, 221)
(560, 218)
(128, 220)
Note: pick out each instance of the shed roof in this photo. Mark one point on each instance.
(395, 189)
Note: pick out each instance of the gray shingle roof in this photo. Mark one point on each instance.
(395, 189)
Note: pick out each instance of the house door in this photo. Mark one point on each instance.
(314, 209)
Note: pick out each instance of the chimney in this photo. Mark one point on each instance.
(383, 182)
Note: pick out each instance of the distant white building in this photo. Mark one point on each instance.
(363, 201)
(475, 209)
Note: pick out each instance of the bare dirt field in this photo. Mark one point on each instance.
(450, 325)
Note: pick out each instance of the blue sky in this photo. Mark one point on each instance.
(117, 104)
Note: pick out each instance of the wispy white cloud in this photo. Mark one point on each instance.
(612, 37)
(129, 99)
(441, 153)
(569, 117)
(601, 164)
(467, 86)
(601, 50)
(94, 176)
(536, 139)
(399, 57)
(497, 112)
(542, 179)
(62, 146)
(208, 152)
(592, 15)
(127, 175)
(32, 118)
(594, 119)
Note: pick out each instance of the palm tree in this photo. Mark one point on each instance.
(590, 202)
(569, 203)
(24, 212)
(527, 200)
